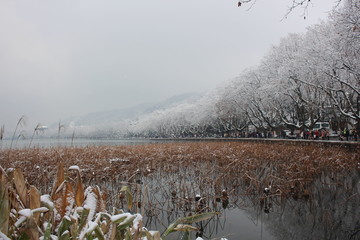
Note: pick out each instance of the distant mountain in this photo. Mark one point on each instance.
(130, 113)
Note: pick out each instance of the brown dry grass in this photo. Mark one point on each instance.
(220, 165)
(163, 179)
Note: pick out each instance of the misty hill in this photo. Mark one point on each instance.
(131, 113)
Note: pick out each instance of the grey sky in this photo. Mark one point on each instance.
(66, 58)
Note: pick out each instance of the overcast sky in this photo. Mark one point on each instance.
(65, 58)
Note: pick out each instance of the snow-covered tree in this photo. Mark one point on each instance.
(306, 78)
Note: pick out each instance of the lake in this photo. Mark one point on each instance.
(68, 142)
(325, 207)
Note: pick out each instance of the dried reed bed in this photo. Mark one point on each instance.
(169, 181)
(248, 168)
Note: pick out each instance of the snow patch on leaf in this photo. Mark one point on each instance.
(90, 202)
(74, 167)
(26, 212)
(117, 217)
(46, 200)
(91, 227)
(137, 221)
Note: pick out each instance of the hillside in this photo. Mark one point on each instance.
(130, 113)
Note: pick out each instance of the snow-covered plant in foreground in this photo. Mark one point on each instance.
(71, 213)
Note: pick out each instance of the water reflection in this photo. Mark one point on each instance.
(69, 142)
(255, 199)
(331, 212)
(258, 196)
(329, 209)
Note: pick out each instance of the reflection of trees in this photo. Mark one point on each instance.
(330, 211)
(315, 206)
(300, 192)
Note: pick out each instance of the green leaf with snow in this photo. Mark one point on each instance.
(64, 226)
(171, 228)
(47, 233)
(128, 235)
(118, 218)
(99, 234)
(94, 231)
(65, 236)
(126, 223)
(83, 218)
(46, 201)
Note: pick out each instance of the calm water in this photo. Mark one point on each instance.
(332, 212)
(68, 142)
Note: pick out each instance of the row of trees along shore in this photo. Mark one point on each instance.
(307, 78)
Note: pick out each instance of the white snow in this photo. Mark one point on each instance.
(79, 209)
(90, 202)
(3, 236)
(65, 232)
(60, 187)
(76, 213)
(13, 211)
(40, 209)
(137, 221)
(70, 203)
(20, 221)
(46, 199)
(53, 237)
(74, 167)
(25, 212)
(92, 226)
(118, 160)
(45, 225)
(154, 234)
(119, 216)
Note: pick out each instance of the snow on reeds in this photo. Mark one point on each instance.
(253, 165)
(70, 213)
(192, 177)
